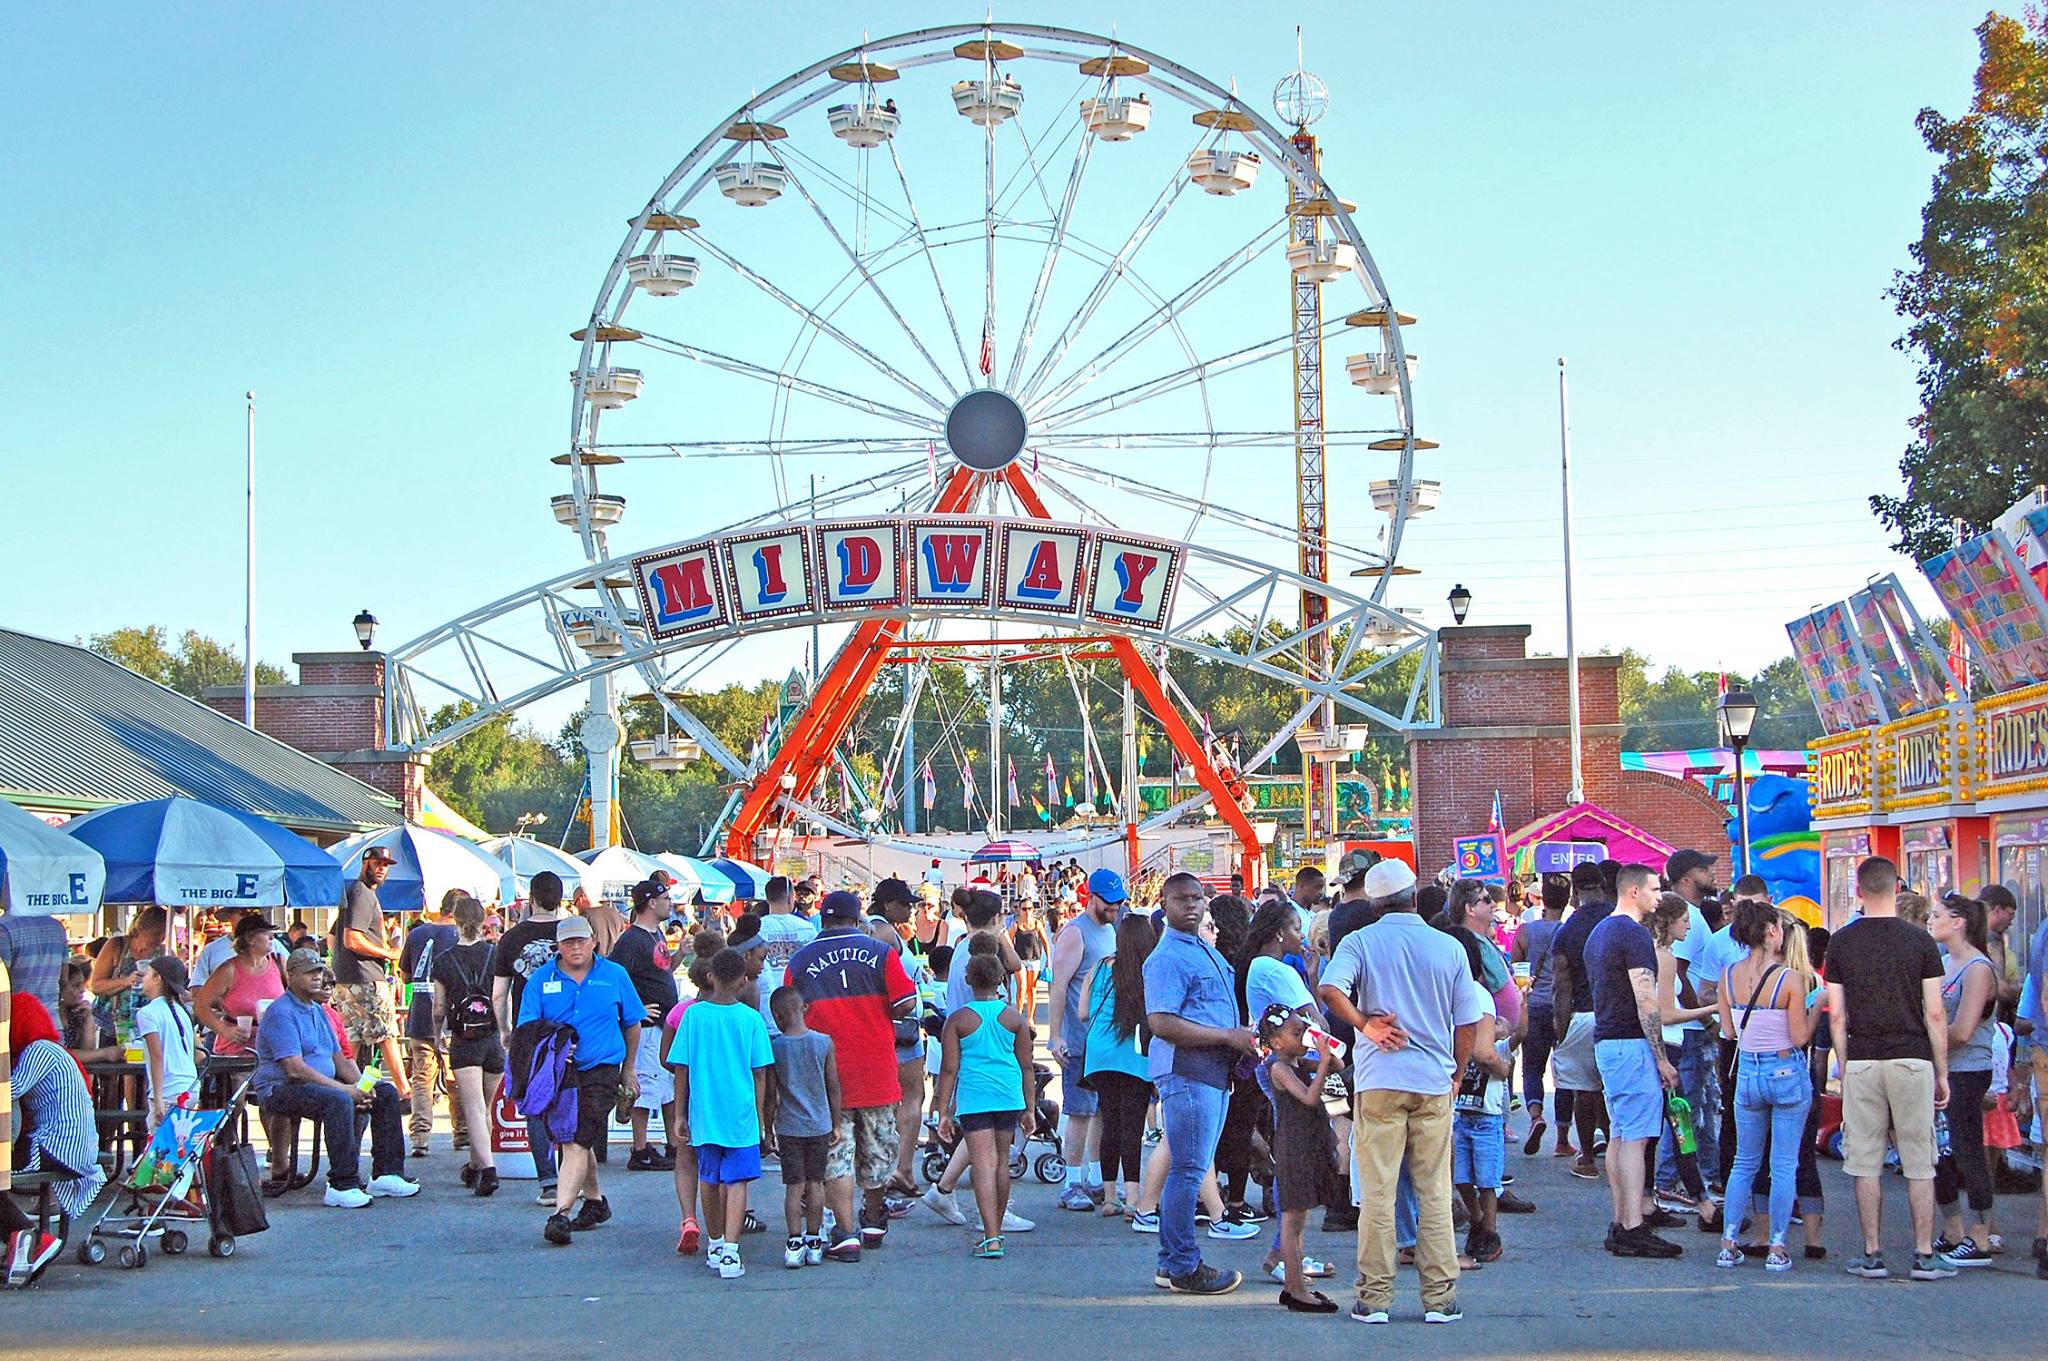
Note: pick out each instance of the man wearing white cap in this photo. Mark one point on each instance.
(1406, 987)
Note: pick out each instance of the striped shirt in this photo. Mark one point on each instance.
(63, 1128)
(6, 1085)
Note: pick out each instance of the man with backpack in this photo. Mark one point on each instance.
(426, 1062)
(476, 1054)
(522, 952)
(643, 953)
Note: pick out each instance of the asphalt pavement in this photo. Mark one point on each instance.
(445, 1275)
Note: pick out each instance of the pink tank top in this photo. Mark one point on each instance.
(246, 987)
(1766, 1029)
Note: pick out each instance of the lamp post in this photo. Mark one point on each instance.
(1737, 716)
(366, 629)
(1461, 603)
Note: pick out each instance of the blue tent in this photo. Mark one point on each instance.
(180, 852)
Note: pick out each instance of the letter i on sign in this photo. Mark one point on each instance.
(768, 571)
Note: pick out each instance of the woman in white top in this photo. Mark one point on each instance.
(165, 1028)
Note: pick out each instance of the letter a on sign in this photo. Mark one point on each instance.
(950, 562)
(1043, 567)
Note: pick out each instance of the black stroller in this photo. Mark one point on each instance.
(1050, 1166)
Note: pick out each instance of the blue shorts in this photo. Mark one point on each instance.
(718, 1165)
(1076, 1099)
(1635, 1094)
(1478, 1150)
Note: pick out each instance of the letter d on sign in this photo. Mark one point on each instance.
(860, 563)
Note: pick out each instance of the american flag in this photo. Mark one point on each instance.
(931, 788)
(1052, 793)
(1015, 802)
(988, 346)
(931, 462)
(966, 787)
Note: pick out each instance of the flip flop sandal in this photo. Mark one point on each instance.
(990, 1248)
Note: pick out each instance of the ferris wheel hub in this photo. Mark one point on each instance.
(986, 430)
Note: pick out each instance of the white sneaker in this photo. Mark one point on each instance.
(793, 1253)
(1012, 1222)
(391, 1184)
(943, 1204)
(354, 1198)
(729, 1265)
(1230, 1228)
(714, 1253)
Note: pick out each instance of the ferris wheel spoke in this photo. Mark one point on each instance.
(1111, 272)
(767, 286)
(1167, 313)
(821, 446)
(852, 400)
(1036, 177)
(1151, 388)
(1062, 219)
(1134, 441)
(932, 263)
(867, 277)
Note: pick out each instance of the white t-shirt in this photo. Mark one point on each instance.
(1698, 946)
(1484, 1093)
(786, 933)
(159, 1018)
(1270, 981)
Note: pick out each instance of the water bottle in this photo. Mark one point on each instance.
(1943, 1144)
(1679, 1111)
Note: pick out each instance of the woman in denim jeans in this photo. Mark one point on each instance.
(1764, 1006)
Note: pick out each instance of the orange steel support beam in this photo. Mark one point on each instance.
(1146, 683)
(833, 702)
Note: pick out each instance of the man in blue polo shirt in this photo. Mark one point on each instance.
(303, 1069)
(595, 998)
(1191, 1006)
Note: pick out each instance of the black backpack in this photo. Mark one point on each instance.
(470, 1015)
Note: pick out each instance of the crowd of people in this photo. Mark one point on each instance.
(1219, 1064)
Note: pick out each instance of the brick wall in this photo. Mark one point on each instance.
(1505, 728)
(334, 712)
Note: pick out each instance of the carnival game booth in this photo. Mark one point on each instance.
(2010, 755)
(1584, 831)
(1924, 796)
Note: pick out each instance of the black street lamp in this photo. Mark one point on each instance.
(1461, 603)
(366, 628)
(1736, 715)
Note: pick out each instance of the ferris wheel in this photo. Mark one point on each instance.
(990, 270)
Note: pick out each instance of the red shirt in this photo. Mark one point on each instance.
(851, 982)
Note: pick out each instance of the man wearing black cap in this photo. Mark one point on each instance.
(1691, 876)
(643, 953)
(363, 956)
(854, 987)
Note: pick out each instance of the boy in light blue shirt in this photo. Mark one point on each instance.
(722, 1056)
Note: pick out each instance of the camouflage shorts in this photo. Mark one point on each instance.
(866, 1150)
(366, 1011)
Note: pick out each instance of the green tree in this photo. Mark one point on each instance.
(1976, 299)
(195, 663)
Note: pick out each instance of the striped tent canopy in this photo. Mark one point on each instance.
(997, 852)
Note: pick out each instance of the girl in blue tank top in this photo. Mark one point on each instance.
(985, 1091)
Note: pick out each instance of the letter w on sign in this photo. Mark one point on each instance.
(949, 561)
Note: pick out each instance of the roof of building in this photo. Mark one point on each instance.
(80, 732)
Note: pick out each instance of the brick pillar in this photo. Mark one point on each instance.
(335, 713)
(1505, 728)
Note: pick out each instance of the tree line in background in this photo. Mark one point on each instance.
(1976, 299)
(507, 767)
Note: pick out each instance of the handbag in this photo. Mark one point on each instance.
(235, 1190)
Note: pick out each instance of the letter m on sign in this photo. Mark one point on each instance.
(949, 562)
(680, 591)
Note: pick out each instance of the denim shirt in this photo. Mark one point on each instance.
(1185, 976)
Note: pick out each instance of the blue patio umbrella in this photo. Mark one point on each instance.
(43, 871)
(180, 852)
(427, 864)
(748, 881)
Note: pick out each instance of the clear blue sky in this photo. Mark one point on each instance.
(385, 219)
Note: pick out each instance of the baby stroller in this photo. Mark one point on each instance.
(1050, 1167)
(191, 1174)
